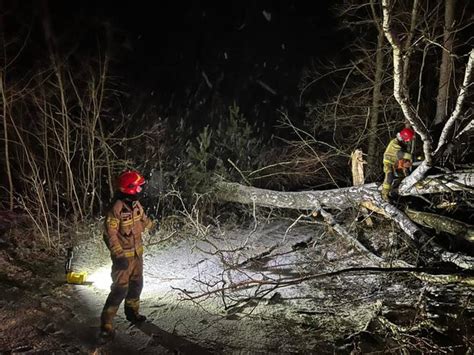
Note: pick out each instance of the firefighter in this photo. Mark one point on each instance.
(124, 223)
(397, 161)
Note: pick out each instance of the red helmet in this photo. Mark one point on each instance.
(407, 134)
(130, 182)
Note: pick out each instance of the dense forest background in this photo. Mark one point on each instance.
(275, 95)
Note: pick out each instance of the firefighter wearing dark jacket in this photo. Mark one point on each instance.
(396, 160)
(124, 224)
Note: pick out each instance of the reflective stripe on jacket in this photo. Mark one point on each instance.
(124, 226)
(393, 152)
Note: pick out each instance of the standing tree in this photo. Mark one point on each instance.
(446, 66)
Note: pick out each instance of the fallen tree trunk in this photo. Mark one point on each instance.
(339, 199)
(367, 195)
(442, 223)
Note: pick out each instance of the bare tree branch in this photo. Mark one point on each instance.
(399, 86)
(417, 271)
(459, 103)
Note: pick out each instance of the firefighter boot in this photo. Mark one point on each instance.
(106, 334)
(131, 311)
(117, 294)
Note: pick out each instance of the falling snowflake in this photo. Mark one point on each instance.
(267, 15)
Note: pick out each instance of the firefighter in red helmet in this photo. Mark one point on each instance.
(396, 160)
(124, 224)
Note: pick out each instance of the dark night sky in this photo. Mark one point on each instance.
(182, 34)
(163, 47)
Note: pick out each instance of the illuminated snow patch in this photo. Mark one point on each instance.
(101, 278)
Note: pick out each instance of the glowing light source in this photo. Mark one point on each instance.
(101, 278)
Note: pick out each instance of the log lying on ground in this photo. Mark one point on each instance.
(339, 199)
(367, 195)
(442, 223)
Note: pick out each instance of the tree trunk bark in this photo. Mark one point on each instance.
(355, 196)
(442, 223)
(372, 157)
(446, 64)
(342, 198)
(339, 199)
(400, 90)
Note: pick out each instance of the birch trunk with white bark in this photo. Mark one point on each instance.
(356, 196)
(402, 96)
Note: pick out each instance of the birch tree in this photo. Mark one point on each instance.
(432, 151)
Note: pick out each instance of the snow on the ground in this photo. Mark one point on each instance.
(323, 315)
(331, 307)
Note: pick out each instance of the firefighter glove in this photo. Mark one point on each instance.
(151, 224)
(121, 263)
(407, 156)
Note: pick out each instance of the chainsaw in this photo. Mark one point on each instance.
(72, 277)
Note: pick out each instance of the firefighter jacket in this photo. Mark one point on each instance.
(124, 226)
(395, 151)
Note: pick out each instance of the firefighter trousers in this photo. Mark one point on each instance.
(126, 284)
(392, 179)
(388, 180)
